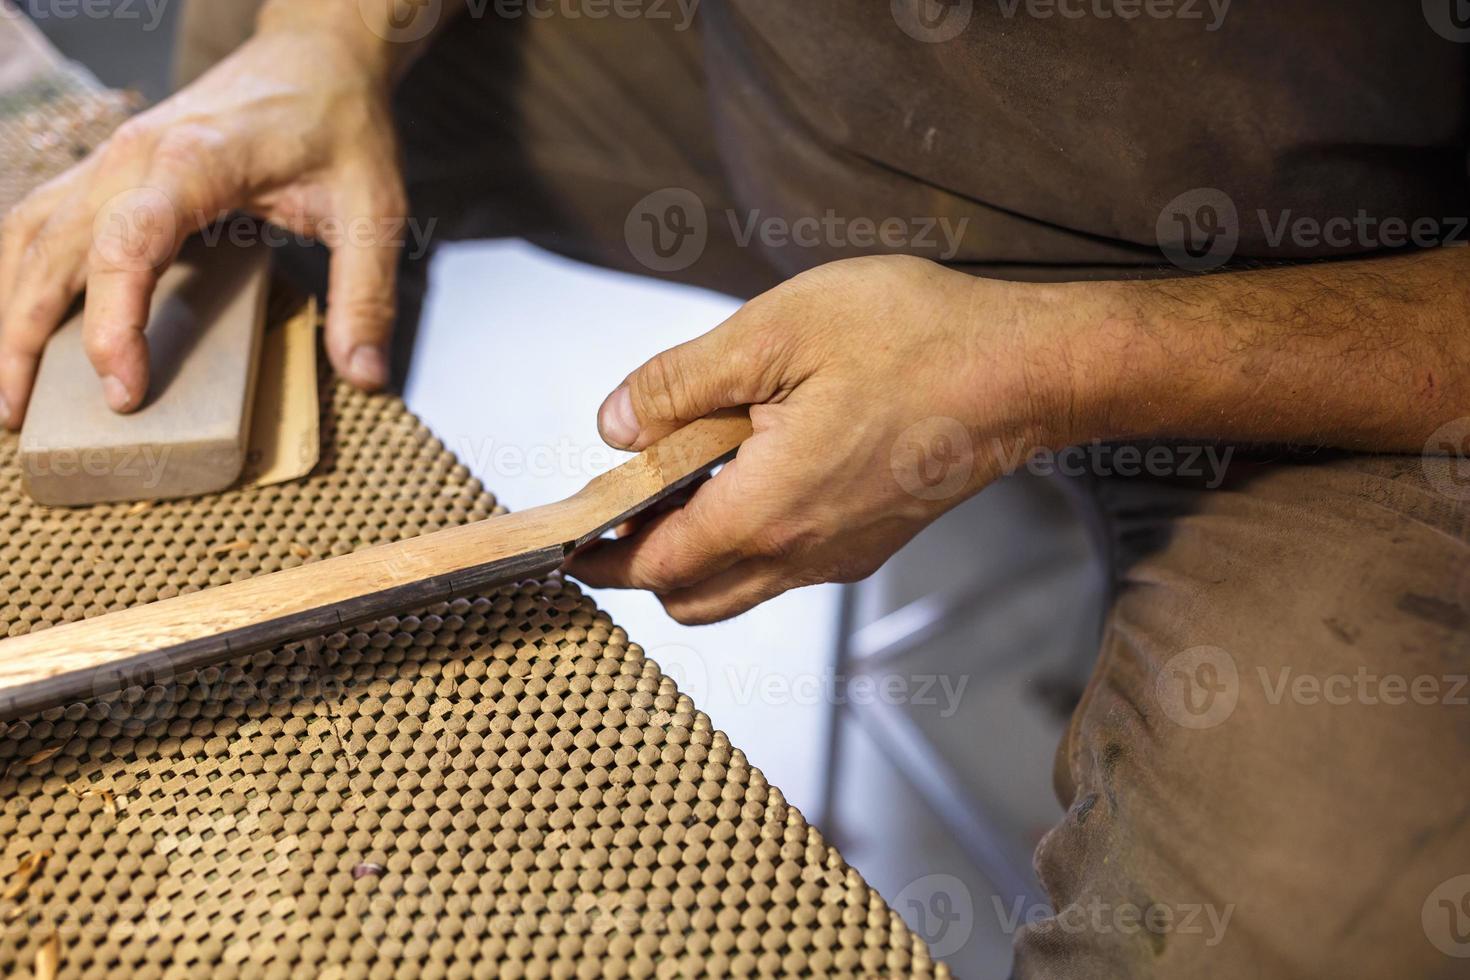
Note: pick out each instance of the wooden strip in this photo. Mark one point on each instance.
(285, 425)
(159, 639)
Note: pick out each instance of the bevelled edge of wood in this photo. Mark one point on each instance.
(96, 656)
(164, 664)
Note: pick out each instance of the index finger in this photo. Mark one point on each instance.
(678, 549)
(135, 236)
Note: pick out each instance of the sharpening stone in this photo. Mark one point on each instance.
(190, 435)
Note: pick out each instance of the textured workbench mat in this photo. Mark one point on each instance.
(52, 112)
(499, 786)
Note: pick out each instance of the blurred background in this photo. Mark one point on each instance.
(913, 717)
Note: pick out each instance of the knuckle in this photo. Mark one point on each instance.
(763, 307)
(39, 316)
(758, 353)
(390, 226)
(106, 344)
(391, 203)
(366, 311)
(19, 222)
(652, 572)
(658, 389)
(773, 544)
(710, 540)
(184, 146)
(785, 540)
(26, 332)
(190, 169)
(742, 540)
(131, 138)
(38, 254)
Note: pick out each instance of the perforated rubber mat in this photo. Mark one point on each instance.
(52, 118)
(498, 786)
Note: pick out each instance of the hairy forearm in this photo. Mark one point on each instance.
(387, 36)
(1371, 354)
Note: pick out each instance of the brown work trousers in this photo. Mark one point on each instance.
(1264, 777)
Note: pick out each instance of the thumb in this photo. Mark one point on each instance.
(362, 295)
(733, 365)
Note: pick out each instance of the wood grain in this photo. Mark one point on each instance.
(189, 436)
(160, 639)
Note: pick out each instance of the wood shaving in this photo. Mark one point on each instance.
(20, 880)
(48, 958)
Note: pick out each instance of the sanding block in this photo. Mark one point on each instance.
(191, 433)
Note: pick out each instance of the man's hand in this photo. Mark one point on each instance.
(886, 390)
(294, 128)
(878, 386)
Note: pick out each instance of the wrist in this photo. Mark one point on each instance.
(381, 38)
(1059, 374)
(1095, 358)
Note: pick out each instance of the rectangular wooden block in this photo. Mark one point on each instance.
(190, 435)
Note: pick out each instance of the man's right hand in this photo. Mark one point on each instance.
(294, 128)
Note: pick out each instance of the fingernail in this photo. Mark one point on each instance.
(116, 393)
(4, 411)
(368, 366)
(616, 419)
